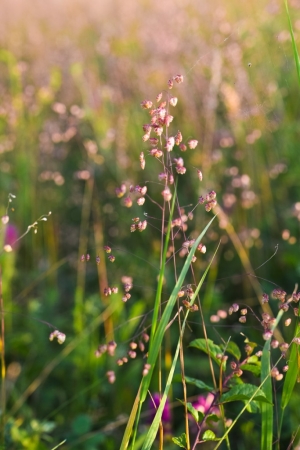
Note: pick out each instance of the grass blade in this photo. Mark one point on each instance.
(150, 437)
(159, 334)
(266, 408)
(295, 50)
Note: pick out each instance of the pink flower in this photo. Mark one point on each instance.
(11, 235)
(203, 404)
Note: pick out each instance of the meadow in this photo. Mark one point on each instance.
(150, 204)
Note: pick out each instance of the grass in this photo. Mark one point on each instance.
(72, 79)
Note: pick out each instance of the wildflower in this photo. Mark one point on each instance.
(158, 130)
(183, 147)
(283, 347)
(287, 322)
(205, 405)
(147, 127)
(244, 311)
(142, 160)
(97, 260)
(107, 249)
(146, 104)
(11, 235)
(192, 143)
(127, 202)
(154, 403)
(180, 170)
(107, 292)
(111, 376)
(111, 258)
(87, 257)
(201, 200)
(120, 191)
(178, 138)
(267, 335)
(274, 343)
(146, 369)
(140, 201)
(173, 101)
(111, 347)
(82, 258)
(167, 195)
(146, 137)
(170, 83)
(156, 153)
(159, 97)
(170, 144)
(200, 176)
(265, 298)
(61, 337)
(132, 354)
(153, 142)
(242, 319)
(168, 120)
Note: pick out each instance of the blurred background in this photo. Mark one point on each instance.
(72, 76)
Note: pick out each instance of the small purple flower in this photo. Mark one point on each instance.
(203, 404)
(166, 415)
(154, 402)
(11, 235)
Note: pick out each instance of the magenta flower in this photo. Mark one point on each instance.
(11, 235)
(166, 415)
(203, 404)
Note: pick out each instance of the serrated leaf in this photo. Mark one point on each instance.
(209, 435)
(233, 349)
(180, 440)
(208, 347)
(244, 392)
(198, 383)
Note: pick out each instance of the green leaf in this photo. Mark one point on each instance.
(180, 441)
(292, 373)
(208, 347)
(192, 410)
(244, 392)
(233, 349)
(251, 368)
(209, 435)
(212, 418)
(199, 384)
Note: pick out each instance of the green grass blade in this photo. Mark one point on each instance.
(295, 51)
(159, 334)
(266, 408)
(158, 337)
(152, 432)
(63, 442)
(292, 373)
(162, 272)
